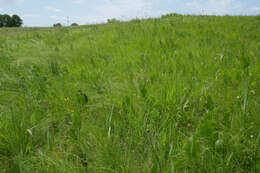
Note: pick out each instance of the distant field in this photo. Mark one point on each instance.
(172, 94)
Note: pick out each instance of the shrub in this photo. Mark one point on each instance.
(74, 24)
(57, 25)
(170, 15)
(112, 20)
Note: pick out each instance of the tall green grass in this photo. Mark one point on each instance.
(172, 94)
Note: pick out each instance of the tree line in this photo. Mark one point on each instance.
(10, 21)
(60, 25)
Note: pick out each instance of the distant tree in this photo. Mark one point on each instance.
(170, 15)
(57, 25)
(16, 21)
(1, 21)
(6, 20)
(112, 20)
(74, 24)
(10, 21)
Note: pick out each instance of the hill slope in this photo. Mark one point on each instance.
(175, 94)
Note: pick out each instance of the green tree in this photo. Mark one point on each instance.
(74, 24)
(57, 25)
(10, 21)
(6, 20)
(1, 21)
(16, 21)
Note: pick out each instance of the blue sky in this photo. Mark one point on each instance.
(47, 12)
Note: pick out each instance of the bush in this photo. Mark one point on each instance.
(57, 25)
(170, 15)
(74, 24)
(112, 20)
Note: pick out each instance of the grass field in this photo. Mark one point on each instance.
(165, 95)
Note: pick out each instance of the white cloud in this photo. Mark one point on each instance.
(125, 9)
(60, 19)
(119, 9)
(90, 19)
(54, 17)
(255, 10)
(1, 9)
(28, 15)
(53, 9)
(219, 7)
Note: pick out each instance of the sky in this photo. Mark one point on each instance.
(48, 12)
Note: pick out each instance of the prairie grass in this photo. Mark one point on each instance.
(171, 94)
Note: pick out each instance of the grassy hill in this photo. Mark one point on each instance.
(172, 94)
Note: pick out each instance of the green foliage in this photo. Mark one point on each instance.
(74, 24)
(10, 21)
(170, 15)
(57, 25)
(112, 20)
(16, 21)
(172, 94)
(5, 20)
